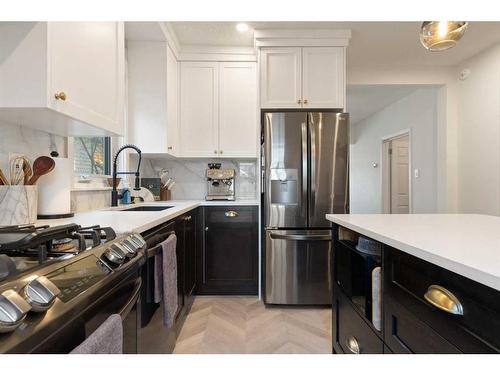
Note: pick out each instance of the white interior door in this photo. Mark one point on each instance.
(199, 109)
(280, 77)
(86, 62)
(237, 109)
(400, 175)
(323, 77)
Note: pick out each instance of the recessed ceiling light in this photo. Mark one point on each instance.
(242, 27)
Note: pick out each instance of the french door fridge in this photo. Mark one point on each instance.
(305, 177)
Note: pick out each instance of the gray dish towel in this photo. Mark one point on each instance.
(166, 279)
(106, 339)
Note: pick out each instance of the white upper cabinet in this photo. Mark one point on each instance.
(237, 109)
(199, 109)
(153, 91)
(218, 109)
(280, 72)
(323, 77)
(63, 77)
(173, 147)
(312, 77)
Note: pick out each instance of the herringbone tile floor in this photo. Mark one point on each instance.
(244, 325)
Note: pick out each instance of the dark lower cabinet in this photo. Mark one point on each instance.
(405, 334)
(153, 336)
(228, 262)
(426, 309)
(354, 335)
(190, 243)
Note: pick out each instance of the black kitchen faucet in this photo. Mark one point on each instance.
(114, 193)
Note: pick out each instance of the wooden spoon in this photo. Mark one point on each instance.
(41, 166)
(3, 179)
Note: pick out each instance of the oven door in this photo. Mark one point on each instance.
(297, 267)
(122, 299)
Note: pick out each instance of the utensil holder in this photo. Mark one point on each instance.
(165, 194)
(18, 204)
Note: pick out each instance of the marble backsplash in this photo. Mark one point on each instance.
(29, 142)
(33, 143)
(189, 175)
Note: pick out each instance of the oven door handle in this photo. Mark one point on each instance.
(132, 300)
(301, 237)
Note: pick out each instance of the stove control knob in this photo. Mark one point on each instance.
(13, 310)
(129, 247)
(137, 239)
(41, 293)
(114, 255)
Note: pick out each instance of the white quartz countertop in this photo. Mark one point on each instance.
(468, 245)
(139, 221)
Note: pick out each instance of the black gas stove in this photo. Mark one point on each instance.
(57, 284)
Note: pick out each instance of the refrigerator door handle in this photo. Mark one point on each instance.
(304, 167)
(300, 237)
(312, 132)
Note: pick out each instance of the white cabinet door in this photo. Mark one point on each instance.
(86, 63)
(323, 83)
(172, 104)
(237, 109)
(199, 109)
(147, 95)
(280, 77)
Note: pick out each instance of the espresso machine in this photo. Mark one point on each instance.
(220, 183)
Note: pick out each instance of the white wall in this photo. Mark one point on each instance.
(417, 112)
(479, 134)
(447, 135)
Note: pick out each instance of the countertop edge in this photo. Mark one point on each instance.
(462, 269)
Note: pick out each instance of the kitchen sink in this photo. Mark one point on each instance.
(148, 208)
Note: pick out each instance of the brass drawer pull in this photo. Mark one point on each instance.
(353, 345)
(231, 214)
(444, 300)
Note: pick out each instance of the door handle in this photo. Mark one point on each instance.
(444, 300)
(300, 237)
(132, 300)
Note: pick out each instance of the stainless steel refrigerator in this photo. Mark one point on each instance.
(305, 177)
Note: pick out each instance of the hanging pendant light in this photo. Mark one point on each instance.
(441, 35)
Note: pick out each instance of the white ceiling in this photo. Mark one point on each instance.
(366, 100)
(372, 43)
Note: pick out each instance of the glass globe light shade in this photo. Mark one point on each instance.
(441, 35)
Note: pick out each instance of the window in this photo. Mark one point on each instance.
(92, 155)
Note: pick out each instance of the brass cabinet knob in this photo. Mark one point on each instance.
(221, 152)
(231, 213)
(306, 101)
(299, 101)
(60, 96)
(169, 147)
(215, 151)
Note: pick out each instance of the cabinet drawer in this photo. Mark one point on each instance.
(475, 330)
(404, 333)
(354, 336)
(231, 214)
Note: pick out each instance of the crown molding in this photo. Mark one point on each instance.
(301, 38)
